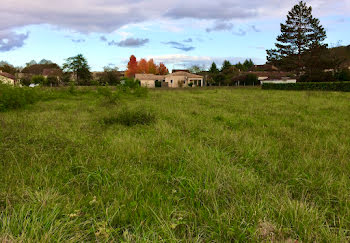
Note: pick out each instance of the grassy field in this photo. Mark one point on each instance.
(183, 165)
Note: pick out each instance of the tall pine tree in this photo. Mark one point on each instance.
(213, 68)
(300, 34)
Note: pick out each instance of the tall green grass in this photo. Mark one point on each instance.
(220, 165)
(14, 97)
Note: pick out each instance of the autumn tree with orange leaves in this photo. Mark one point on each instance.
(162, 70)
(142, 66)
(145, 67)
(152, 67)
(132, 67)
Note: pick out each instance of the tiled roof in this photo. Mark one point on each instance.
(186, 74)
(142, 76)
(7, 75)
(160, 77)
(52, 72)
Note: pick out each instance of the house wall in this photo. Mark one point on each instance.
(288, 81)
(182, 81)
(6, 80)
(173, 82)
(148, 83)
(197, 82)
(176, 81)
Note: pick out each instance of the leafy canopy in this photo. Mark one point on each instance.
(78, 65)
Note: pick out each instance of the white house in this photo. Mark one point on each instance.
(7, 78)
(174, 80)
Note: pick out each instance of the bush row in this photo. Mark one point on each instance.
(324, 86)
(14, 97)
(129, 86)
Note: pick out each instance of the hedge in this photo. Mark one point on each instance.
(323, 86)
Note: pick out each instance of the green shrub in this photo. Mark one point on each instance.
(247, 79)
(16, 97)
(72, 89)
(95, 82)
(52, 81)
(343, 75)
(111, 97)
(317, 76)
(39, 79)
(26, 81)
(140, 91)
(132, 117)
(323, 86)
(130, 82)
(251, 79)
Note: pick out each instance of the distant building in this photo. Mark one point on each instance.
(176, 79)
(52, 72)
(272, 75)
(180, 70)
(7, 78)
(280, 81)
(265, 67)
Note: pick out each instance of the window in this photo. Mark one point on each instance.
(171, 81)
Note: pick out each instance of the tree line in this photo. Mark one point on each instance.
(231, 74)
(76, 69)
(145, 67)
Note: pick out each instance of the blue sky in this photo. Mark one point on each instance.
(107, 32)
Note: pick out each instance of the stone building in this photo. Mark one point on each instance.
(179, 79)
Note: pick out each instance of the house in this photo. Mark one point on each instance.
(272, 75)
(177, 79)
(52, 72)
(280, 81)
(149, 80)
(180, 70)
(264, 67)
(7, 78)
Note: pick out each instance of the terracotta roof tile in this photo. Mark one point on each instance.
(7, 75)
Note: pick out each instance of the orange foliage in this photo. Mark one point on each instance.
(132, 67)
(152, 68)
(162, 70)
(144, 66)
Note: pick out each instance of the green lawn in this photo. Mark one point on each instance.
(208, 165)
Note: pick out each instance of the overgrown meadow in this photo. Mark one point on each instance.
(193, 165)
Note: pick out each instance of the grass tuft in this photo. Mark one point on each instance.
(131, 117)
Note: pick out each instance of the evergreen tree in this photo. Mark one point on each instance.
(78, 65)
(213, 69)
(226, 65)
(300, 33)
(248, 64)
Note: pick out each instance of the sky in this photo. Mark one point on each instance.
(179, 33)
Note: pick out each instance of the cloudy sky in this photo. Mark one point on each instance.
(176, 32)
